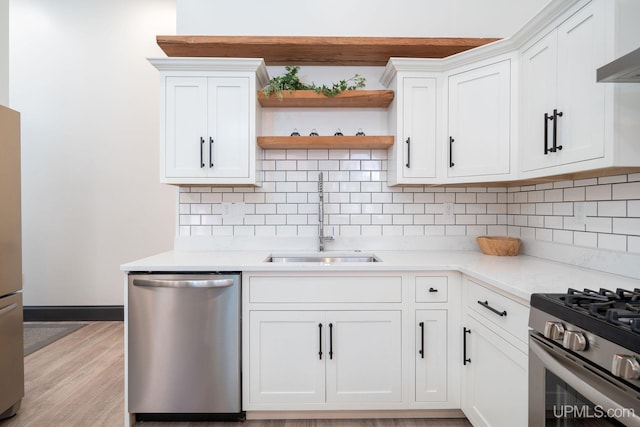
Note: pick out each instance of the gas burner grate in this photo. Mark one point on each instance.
(620, 307)
(621, 317)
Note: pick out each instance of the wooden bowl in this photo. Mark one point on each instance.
(501, 246)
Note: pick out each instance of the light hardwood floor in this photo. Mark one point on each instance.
(78, 381)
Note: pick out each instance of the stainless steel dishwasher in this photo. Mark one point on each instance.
(184, 346)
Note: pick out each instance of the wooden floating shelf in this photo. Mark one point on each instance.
(312, 99)
(294, 50)
(326, 142)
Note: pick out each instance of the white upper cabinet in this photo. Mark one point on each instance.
(208, 120)
(479, 131)
(568, 121)
(464, 113)
(413, 117)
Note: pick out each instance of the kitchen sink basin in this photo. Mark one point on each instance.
(322, 258)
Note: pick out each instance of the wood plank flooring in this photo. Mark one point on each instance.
(78, 381)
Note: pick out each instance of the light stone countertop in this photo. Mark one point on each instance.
(519, 276)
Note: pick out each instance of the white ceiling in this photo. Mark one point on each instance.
(398, 18)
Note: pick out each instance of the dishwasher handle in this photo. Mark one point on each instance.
(164, 283)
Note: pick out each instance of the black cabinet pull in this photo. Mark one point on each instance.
(451, 140)
(408, 141)
(421, 351)
(201, 152)
(433, 290)
(320, 343)
(486, 305)
(555, 147)
(546, 133)
(210, 152)
(331, 341)
(465, 359)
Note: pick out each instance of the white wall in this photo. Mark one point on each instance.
(89, 103)
(4, 52)
(399, 18)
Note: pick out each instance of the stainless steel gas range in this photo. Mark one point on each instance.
(584, 358)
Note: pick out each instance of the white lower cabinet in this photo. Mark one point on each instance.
(334, 356)
(389, 341)
(495, 361)
(323, 341)
(286, 363)
(495, 378)
(431, 358)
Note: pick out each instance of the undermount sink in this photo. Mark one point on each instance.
(322, 258)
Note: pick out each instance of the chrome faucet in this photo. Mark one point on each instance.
(321, 236)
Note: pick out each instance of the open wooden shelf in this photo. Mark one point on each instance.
(294, 50)
(326, 142)
(312, 99)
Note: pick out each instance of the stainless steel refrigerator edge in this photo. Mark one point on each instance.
(184, 344)
(11, 338)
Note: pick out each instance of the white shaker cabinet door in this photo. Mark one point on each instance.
(581, 99)
(480, 121)
(228, 123)
(419, 128)
(285, 362)
(185, 127)
(365, 359)
(563, 107)
(538, 65)
(431, 355)
(495, 379)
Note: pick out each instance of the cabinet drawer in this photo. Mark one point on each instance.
(431, 289)
(325, 289)
(510, 315)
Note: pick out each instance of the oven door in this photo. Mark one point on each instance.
(567, 391)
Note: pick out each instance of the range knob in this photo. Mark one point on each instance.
(574, 340)
(625, 366)
(553, 330)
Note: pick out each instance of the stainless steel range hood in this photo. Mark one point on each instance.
(624, 69)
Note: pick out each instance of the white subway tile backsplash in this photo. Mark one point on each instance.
(487, 198)
(562, 184)
(616, 208)
(359, 203)
(189, 197)
(372, 208)
(444, 198)
(392, 208)
(629, 226)
(201, 230)
(598, 192)
(200, 209)
(563, 236)
(563, 209)
(553, 222)
(585, 182)
(574, 194)
(553, 195)
(588, 240)
(543, 234)
(613, 242)
(626, 191)
(360, 198)
(612, 179)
